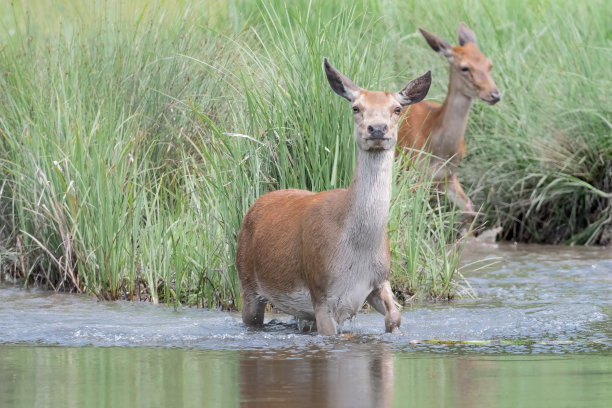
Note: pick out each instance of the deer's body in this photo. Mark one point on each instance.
(351, 240)
(319, 256)
(440, 129)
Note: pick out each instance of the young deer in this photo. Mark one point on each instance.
(318, 256)
(440, 129)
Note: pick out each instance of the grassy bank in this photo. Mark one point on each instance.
(134, 138)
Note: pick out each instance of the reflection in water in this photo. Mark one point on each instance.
(361, 377)
(348, 374)
(475, 392)
(49, 377)
(502, 381)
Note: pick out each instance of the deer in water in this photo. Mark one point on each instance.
(439, 129)
(319, 256)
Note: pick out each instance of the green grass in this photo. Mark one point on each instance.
(423, 239)
(133, 138)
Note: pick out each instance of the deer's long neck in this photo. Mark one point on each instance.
(368, 198)
(453, 118)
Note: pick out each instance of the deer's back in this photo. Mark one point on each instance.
(417, 125)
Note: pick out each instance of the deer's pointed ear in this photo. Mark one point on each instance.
(437, 44)
(465, 35)
(339, 83)
(415, 91)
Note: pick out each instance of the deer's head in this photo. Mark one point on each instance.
(471, 68)
(376, 114)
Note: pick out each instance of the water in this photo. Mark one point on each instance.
(539, 335)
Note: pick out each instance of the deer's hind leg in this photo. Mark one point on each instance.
(253, 307)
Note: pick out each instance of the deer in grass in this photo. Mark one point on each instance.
(319, 256)
(439, 129)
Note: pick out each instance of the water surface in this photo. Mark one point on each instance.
(539, 334)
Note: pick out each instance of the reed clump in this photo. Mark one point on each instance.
(133, 137)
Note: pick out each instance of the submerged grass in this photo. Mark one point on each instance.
(133, 137)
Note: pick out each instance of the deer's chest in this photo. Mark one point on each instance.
(354, 278)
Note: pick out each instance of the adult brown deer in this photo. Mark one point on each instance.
(318, 256)
(439, 129)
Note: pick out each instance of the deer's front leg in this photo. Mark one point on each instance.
(457, 196)
(326, 324)
(393, 317)
(381, 299)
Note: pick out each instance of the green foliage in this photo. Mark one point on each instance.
(424, 248)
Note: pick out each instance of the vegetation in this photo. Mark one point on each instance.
(133, 138)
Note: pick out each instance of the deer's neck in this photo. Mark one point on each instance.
(369, 198)
(453, 118)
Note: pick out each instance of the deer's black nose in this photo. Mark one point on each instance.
(495, 96)
(378, 131)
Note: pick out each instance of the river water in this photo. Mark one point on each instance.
(538, 334)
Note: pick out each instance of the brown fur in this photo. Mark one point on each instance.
(281, 220)
(419, 121)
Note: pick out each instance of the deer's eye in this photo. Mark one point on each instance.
(398, 110)
(465, 69)
(355, 109)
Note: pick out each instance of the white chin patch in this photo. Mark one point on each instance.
(378, 144)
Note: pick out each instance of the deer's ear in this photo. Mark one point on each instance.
(465, 35)
(437, 44)
(339, 83)
(415, 91)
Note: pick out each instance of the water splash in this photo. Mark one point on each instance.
(530, 302)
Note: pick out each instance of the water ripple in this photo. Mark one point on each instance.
(529, 302)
